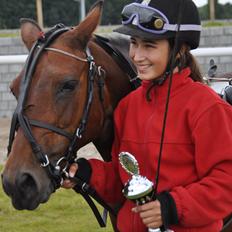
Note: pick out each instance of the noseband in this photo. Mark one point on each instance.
(19, 119)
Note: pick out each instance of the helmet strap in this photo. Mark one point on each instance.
(172, 66)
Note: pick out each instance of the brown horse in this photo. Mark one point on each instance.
(73, 84)
(53, 96)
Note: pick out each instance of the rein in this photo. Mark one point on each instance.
(19, 119)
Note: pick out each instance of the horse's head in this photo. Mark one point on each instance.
(52, 97)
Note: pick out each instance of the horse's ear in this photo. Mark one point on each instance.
(86, 28)
(30, 31)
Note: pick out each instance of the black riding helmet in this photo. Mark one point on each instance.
(158, 19)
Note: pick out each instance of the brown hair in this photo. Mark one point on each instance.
(186, 59)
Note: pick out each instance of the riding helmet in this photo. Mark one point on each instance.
(162, 19)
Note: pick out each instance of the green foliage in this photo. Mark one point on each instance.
(11, 11)
(222, 11)
(56, 11)
(216, 24)
(111, 10)
(67, 12)
(2, 35)
(65, 211)
(204, 12)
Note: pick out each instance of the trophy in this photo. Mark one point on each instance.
(138, 189)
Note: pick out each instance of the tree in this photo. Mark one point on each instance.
(11, 11)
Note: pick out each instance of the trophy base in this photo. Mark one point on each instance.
(154, 230)
(158, 230)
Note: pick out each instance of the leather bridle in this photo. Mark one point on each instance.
(19, 119)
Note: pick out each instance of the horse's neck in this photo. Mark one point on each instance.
(117, 85)
(104, 142)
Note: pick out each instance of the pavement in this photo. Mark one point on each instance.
(4, 132)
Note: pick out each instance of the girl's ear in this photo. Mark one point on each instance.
(183, 49)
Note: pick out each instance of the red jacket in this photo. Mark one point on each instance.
(196, 166)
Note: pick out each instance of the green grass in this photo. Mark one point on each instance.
(65, 211)
(216, 24)
(12, 35)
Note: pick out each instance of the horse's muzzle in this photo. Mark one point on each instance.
(24, 191)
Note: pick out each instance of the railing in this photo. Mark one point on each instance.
(217, 51)
(13, 59)
(200, 52)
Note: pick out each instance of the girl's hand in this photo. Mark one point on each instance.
(67, 183)
(150, 214)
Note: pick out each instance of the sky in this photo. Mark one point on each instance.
(203, 2)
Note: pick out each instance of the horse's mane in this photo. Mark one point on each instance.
(121, 43)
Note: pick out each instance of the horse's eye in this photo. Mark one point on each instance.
(68, 86)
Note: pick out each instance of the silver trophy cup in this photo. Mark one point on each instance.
(138, 189)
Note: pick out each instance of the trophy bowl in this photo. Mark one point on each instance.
(138, 189)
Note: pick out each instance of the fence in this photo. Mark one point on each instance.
(215, 43)
(11, 65)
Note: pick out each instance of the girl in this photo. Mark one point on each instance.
(194, 191)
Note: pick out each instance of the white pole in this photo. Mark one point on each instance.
(82, 8)
(39, 9)
(13, 59)
(212, 9)
(217, 51)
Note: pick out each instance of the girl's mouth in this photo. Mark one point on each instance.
(143, 68)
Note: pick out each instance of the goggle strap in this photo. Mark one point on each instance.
(183, 27)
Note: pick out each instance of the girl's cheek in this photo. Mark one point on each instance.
(131, 52)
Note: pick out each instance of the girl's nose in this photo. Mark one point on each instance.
(137, 54)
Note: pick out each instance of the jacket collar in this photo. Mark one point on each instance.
(160, 91)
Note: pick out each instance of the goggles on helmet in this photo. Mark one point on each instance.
(152, 20)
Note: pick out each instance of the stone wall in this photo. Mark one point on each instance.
(211, 37)
(216, 37)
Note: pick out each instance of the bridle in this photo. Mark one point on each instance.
(19, 119)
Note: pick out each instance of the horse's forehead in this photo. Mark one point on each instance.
(69, 40)
(55, 65)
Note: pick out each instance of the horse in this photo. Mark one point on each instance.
(72, 90)
(66, 94)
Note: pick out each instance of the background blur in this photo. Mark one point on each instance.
(68, 11)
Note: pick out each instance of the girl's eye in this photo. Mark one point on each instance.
(132, 42)
(150, 45)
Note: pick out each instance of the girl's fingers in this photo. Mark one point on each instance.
(73, 169)
(67, 184)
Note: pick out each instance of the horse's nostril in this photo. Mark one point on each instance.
(26, 185)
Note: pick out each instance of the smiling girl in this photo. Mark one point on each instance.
(195, 175)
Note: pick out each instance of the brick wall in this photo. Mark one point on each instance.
(7, 100)
(211, 37)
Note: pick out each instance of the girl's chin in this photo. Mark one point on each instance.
(148, 76)
(145, 77)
